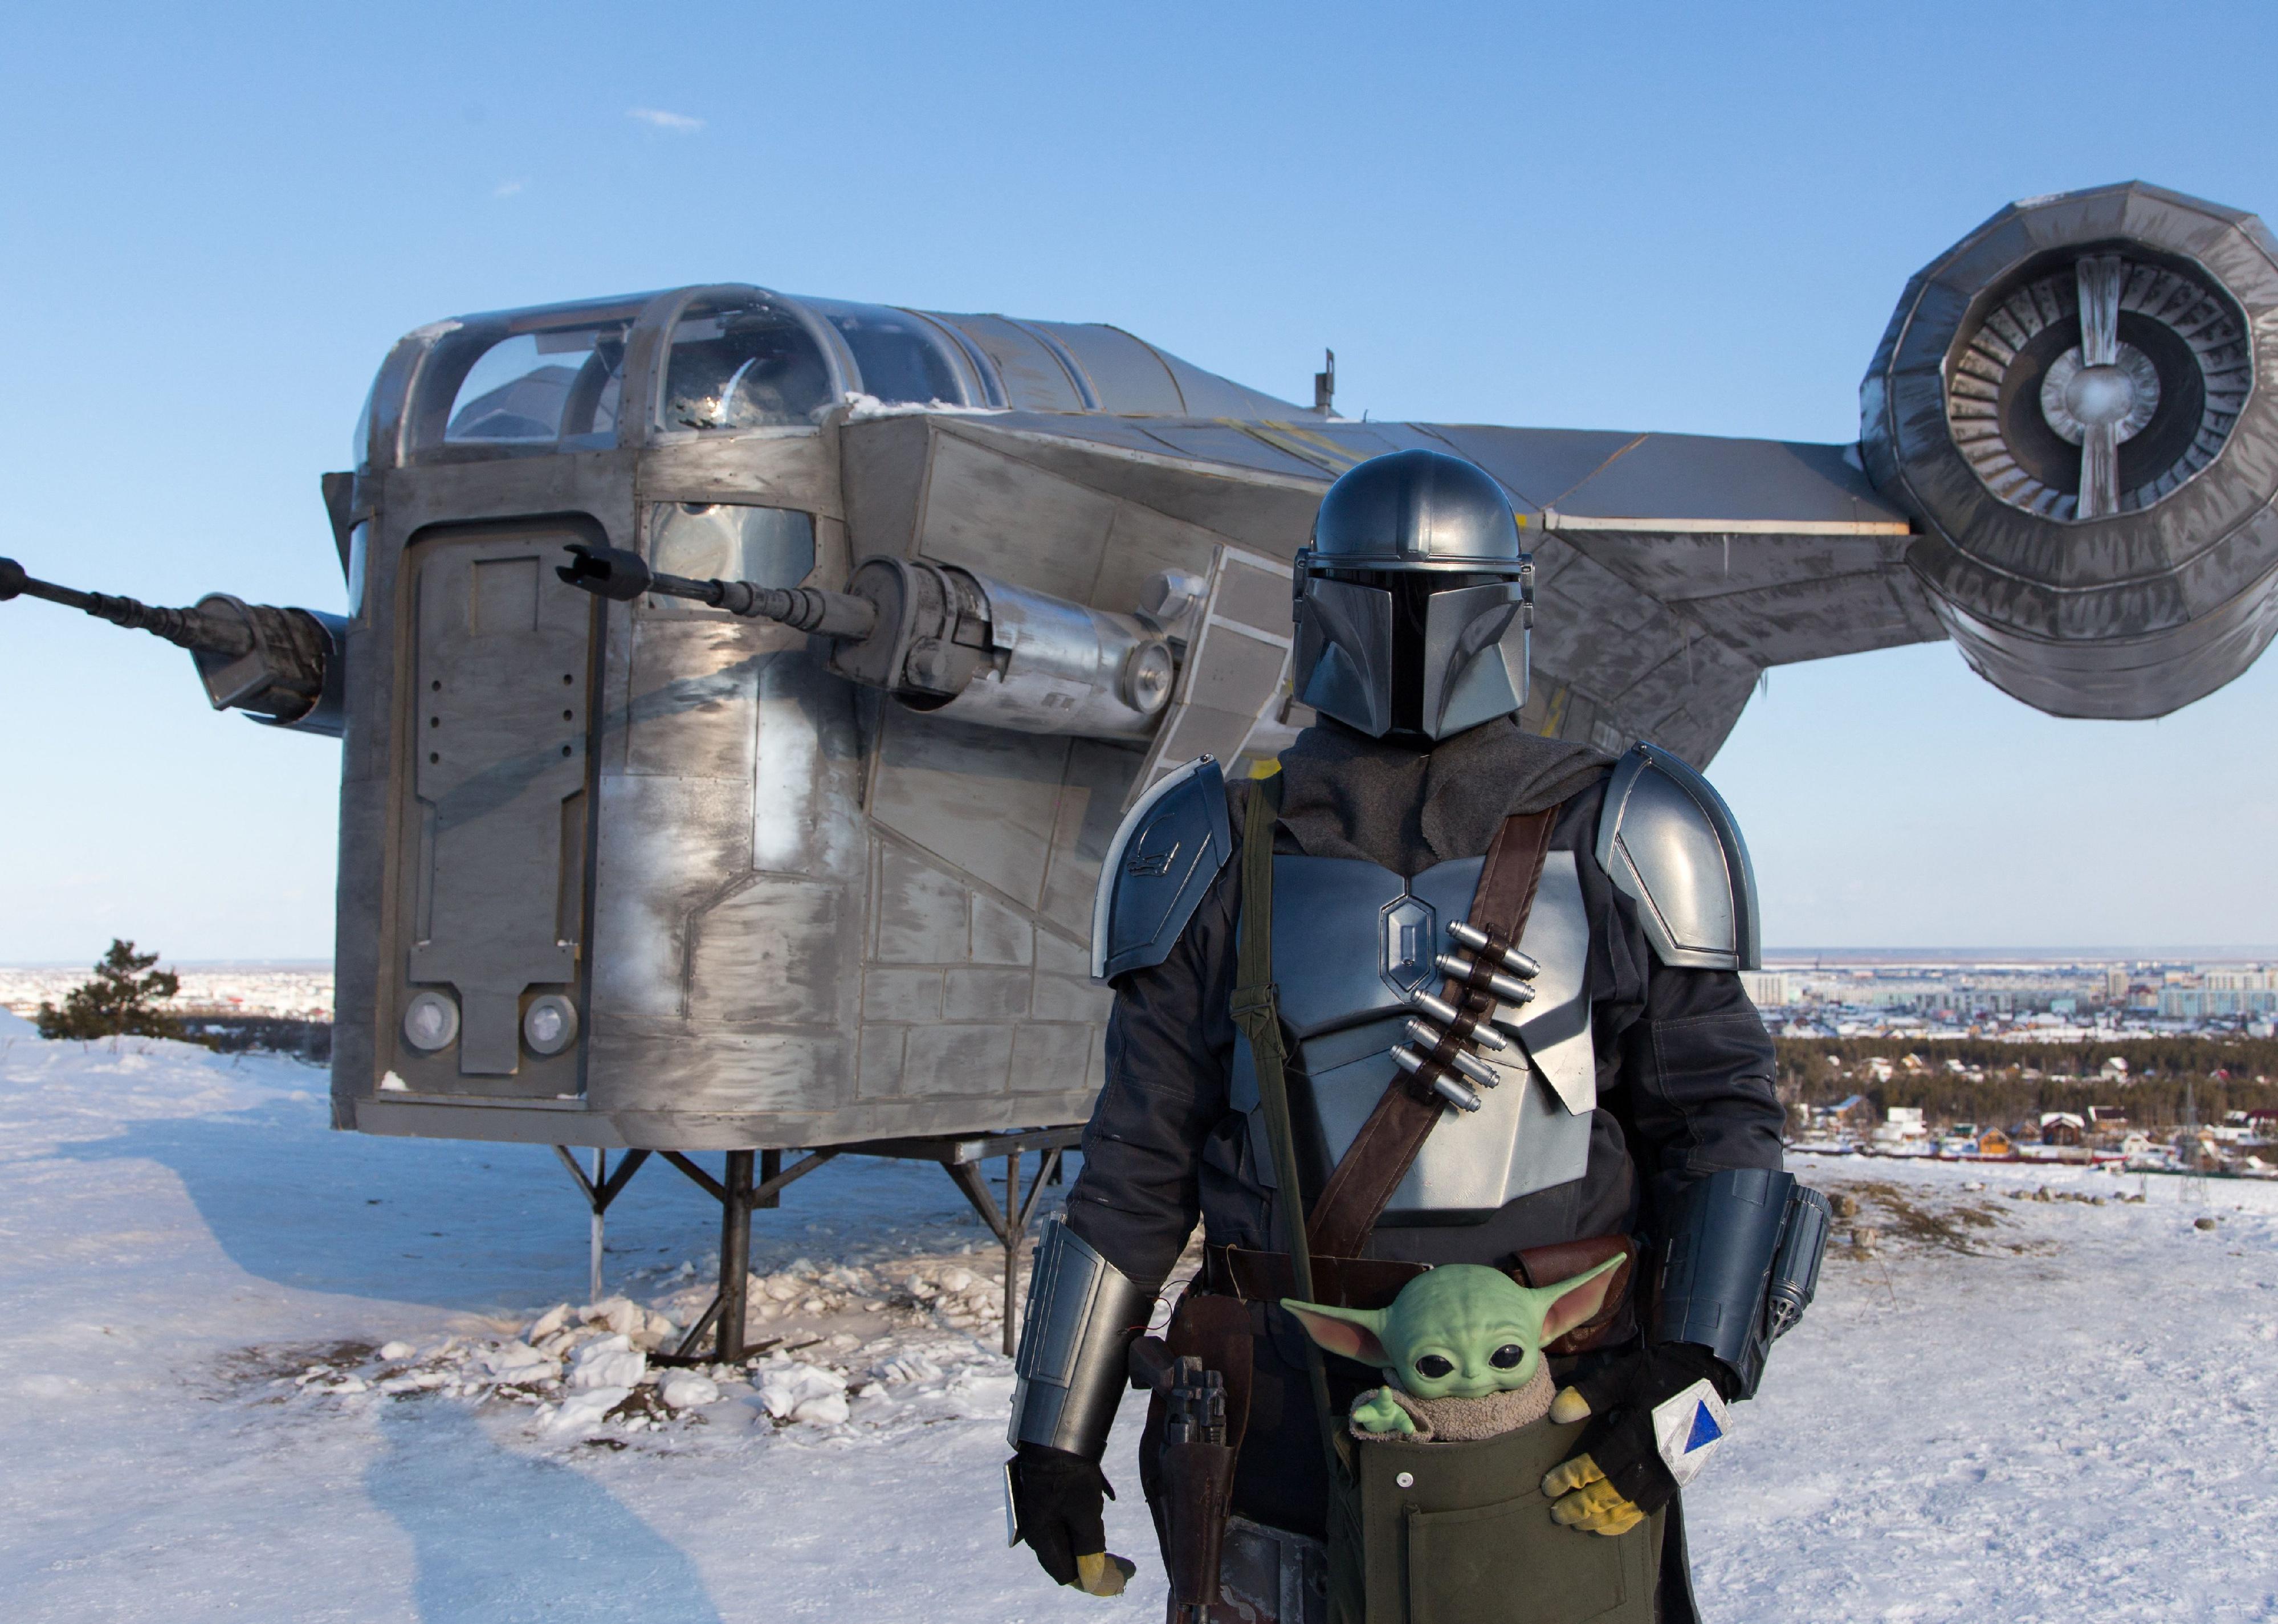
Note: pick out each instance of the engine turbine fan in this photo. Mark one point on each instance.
(2068, 399)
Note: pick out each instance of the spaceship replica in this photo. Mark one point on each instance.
(738, 691)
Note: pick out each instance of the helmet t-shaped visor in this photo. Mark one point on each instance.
(1414, 602)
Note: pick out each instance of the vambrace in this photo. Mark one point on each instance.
(1082, 1315)
(1740, 1265)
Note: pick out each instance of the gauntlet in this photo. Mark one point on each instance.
(1658, 1412)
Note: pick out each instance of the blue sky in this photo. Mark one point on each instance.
(213, 222)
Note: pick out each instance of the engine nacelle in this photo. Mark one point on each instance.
(2077, 401)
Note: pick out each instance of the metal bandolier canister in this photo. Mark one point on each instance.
(1437, 990)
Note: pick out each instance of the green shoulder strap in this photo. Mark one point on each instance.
(1258, 1016)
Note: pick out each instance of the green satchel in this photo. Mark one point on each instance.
(1447, 1533)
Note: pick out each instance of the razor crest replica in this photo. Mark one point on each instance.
(787, 831)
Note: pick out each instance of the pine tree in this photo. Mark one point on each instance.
(124, 998)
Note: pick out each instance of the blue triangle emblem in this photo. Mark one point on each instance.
(1705, 1429)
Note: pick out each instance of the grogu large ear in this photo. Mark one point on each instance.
(1569, 1303)
(1352, 1332)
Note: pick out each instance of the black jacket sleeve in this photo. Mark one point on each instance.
(1697, 1070)
(1170, 1049)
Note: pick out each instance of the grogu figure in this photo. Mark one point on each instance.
(1461, 1349)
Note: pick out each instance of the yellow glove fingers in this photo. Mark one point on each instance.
(1569, 1406)
(1569, 1476)
(1103, 1573)
(1597, 1507)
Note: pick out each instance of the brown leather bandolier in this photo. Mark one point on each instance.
(1386, 1147)
(1333, 1270)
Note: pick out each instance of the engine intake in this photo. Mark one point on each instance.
(2068, 400)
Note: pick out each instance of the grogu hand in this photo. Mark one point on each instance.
(1580, 1496)
(1376, 1412)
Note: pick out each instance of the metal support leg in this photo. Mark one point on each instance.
(598, 1192)
(593, 1269)
(735, 1255)
(1011, 1239)
(1010, 1223)
(963, 1159)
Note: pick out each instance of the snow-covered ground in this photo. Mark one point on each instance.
(251, 1369)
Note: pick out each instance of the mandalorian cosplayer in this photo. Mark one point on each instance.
(1493, 1020)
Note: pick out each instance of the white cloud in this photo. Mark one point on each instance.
(679, 124)
(507, 188)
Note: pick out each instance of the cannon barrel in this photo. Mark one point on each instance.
(939, 638)
(281, 667)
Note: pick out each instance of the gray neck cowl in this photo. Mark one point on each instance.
(1345, 795)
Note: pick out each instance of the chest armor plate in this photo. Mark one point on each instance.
(1351, 941)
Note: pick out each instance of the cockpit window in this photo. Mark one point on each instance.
(902, 358)
(746, 364)
(541, 388)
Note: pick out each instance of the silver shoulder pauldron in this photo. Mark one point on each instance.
(1162, 858)
(1668, 843)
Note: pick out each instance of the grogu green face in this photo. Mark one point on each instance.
(1460, 1331)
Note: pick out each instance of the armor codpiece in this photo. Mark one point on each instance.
(1739, 1266)
(1081, 1318)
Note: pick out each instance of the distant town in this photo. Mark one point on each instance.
(2140, 1062)
(2024, 999)
(286, 991)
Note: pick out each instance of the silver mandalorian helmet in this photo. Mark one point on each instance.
(1414, 602)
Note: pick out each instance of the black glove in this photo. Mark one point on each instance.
(1057, 1499)
(1616, 1477)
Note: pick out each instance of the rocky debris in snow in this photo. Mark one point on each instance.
(792, 1391)
(842, 1306)
(517, 1361)
(1918, 1217)
(909, 1368)
(687, 1389)
(583, 1411)
(612, 1362)
(2047, 1194)
(390, 1352)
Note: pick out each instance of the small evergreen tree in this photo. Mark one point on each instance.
(124, 998)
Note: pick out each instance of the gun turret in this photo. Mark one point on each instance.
(282, 667)
(943, 639)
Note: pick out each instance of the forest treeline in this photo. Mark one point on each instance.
(2222, 1074)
